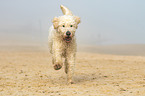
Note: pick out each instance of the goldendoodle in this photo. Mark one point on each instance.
(62, 41)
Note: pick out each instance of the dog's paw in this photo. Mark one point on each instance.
(70, 83)
(57, 66)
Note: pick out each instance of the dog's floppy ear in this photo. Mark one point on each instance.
(77, 19)
(55, 22)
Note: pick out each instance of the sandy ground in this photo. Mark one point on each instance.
(31, 74)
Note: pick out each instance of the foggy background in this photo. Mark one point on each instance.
(103, 22)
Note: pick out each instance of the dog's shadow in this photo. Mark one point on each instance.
(87, 77)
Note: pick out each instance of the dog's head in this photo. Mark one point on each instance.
(66, 25)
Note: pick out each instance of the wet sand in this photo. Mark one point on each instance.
(30, 73)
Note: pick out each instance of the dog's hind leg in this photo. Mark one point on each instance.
(66, 65)
(70, 67)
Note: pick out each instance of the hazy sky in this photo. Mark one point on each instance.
(102, 21)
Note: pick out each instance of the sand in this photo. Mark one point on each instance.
(31, 73)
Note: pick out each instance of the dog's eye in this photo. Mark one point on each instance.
(63, 25)
(71, 25)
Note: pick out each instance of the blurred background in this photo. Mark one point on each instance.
(107, 26)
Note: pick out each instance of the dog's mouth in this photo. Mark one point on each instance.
(67, 39)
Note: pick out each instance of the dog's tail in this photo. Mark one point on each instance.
(65, 10)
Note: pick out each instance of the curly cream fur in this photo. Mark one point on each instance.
(59, 47)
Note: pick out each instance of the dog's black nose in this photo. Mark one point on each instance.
(68, 33)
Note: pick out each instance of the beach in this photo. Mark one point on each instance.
(31, 73)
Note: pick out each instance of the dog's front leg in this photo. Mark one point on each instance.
(71, 63)
(57, 57)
